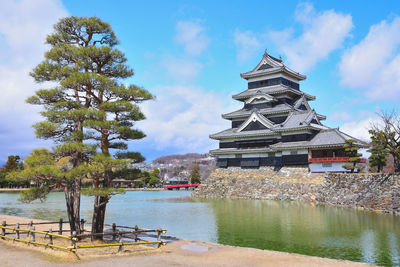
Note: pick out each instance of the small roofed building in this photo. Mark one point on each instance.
(277, 127)
(177, 180)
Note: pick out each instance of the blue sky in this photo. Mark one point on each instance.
(190, 54)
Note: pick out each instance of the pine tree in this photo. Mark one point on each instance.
(351, 151)
(89, 103)
(113, 105)
(67, 105)
(378, 150)
(195, 174)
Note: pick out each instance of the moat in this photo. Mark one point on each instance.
(325, 231)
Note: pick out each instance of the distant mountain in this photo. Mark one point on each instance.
(181, 157)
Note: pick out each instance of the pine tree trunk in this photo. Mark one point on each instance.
(100, 203)
(99, 209)
(73, 201)
(99, 212)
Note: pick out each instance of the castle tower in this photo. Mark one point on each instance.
(276, 126)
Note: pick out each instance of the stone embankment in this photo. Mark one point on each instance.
(379, 192)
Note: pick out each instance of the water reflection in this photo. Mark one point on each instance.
(10, 211)
(277, 225)
(313, 230)
(394, 242)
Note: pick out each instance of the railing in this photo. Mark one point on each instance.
(14, 232)
(334, 159)
(31, 235)
(180, 185)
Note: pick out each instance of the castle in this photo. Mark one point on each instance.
(276, 126)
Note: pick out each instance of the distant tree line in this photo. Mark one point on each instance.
(141, 179)
(13, 164)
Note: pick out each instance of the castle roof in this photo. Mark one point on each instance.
(323, 139)
(271, 65)
(277, 109)
(297, 120)
(271, 90)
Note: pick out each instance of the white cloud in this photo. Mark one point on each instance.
(183, 69)
(323, 32)
(373, 65)
(191, 35)
(359, 129)
(247, 43)
(183, 117)
(23, 28)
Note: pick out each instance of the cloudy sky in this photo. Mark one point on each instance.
(190, 54)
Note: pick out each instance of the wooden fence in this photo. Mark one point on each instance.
(14, 232)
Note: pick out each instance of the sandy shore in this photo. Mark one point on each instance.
(10, 190)
(177, 253)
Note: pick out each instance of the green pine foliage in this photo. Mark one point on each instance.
(88, 107)
(195, 176)
(351, 151)
(49, 171)
(378, 150)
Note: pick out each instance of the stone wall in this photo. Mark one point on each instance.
(368, 191)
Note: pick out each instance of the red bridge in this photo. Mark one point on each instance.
(179, 186)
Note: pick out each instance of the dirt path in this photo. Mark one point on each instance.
(177, 253)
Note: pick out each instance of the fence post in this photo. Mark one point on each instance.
(3, 231)
(136, 234)
(60, 226)
(30, 225)
(82, 225)
(159, 236)
(73, 239)
(120, 241)
(114, 229)
(17, 231)
(50, 236)
(33, 233)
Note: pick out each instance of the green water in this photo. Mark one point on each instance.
(324, 231)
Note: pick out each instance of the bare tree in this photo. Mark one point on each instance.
(389, 128)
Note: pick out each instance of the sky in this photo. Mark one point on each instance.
(190, 55)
